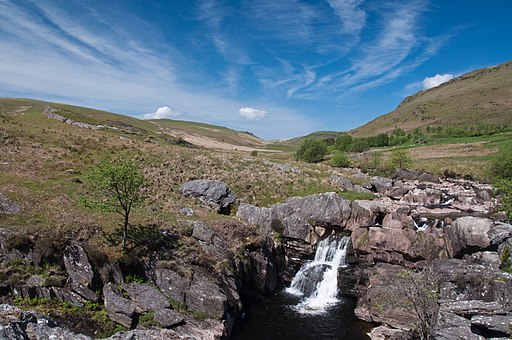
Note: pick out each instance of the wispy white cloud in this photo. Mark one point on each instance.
(353, 18)
(397, 48)
(252, 114)
(305, 79)
(162, 112)
(438, 79)
(76, 65)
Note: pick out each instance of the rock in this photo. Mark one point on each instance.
(211, 243)
(493, 323)
(384, 332)
(425, 177)
(77, 265)
(252, 214)
(187, 211)
(214, 194)
(406, 174)
(120, 309)
(18, 324)
(397, 192)
(83, 291)
(346, 185)
(473, 307)
(285, 168)
(146, 297)
(205, 295)
(172, 283)
(381, 184)
(168, 318)
(261, 273)
(8, 207)
(451, 326)
(466, 233)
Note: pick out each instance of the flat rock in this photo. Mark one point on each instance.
(168, 318)
(497, 323)
(146, 297)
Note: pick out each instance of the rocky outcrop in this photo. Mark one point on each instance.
(214, 194)
(51, 113)
(307, 218)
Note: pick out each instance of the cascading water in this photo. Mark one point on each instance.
(317, 280)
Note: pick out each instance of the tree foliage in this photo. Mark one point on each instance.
(311, 151)
(501, 171)
(115, 186)
(340, 159)
(400, 159)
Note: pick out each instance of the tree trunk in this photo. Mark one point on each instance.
(125, 231)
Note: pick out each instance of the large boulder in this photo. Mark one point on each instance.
(468, 233)
(300, 217)
(214, 194)
(77, 265)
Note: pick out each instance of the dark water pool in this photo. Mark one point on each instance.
(275, 318)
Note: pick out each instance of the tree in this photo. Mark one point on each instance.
(400, 159)
(501, 172)
(116, 186)
(342, 142)
(419, 292)
(311, 151)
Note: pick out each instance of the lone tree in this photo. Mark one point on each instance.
(116, 186)
(311, 151)
(418, 292)
(400, 159)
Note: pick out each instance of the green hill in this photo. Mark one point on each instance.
(164, 130)
(483, 96)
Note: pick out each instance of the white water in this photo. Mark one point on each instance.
(330, 254)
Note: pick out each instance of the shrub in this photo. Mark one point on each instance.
(501, 172)
(340, 160)
(311, 151)
(400, 159)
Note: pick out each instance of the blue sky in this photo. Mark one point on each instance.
(277, 68)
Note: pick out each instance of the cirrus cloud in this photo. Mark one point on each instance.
(438, 79)
(252, 114)
(161, 112)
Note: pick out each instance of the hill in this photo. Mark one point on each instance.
(483, 96)
(163, 130)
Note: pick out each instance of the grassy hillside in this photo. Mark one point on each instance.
(483, 96)
(164, 130)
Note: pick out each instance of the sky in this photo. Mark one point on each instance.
(276, 68)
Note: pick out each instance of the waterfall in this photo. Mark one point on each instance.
(317, 280)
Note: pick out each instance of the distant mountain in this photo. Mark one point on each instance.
(173, 131)
(483, 96)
